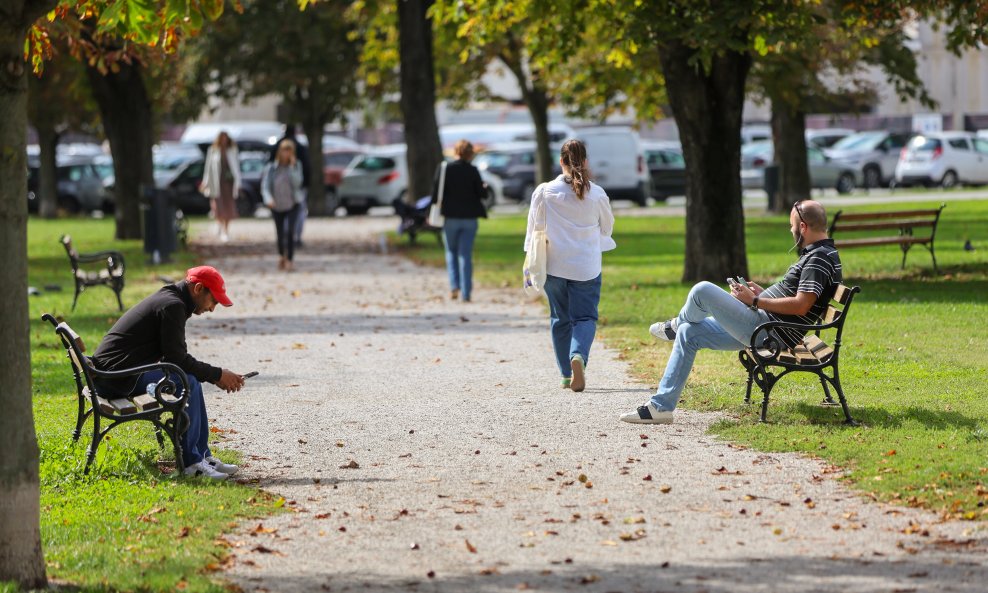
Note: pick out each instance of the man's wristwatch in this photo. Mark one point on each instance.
(754, 303)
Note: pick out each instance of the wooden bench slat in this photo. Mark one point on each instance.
(889, 214)
(123, 405)
(849, 243)
(841, 294)
(877, 226)
(831, 316)
(105, 406)
(146, 402)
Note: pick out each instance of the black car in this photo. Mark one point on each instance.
(78, 185)
(667, 169)
(514, 163)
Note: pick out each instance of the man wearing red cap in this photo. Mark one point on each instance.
(153, 331)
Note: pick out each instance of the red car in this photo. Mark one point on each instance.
(335, 162)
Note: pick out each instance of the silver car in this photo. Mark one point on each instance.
(824, 172)
(872, 155)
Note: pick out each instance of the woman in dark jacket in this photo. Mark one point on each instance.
(463, 191)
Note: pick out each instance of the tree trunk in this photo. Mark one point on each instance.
(313, 120)
(537, 100)
(789, 136)
(47, 171)
(707, 108)
(418, 96)
(21, 558)
(126, 113)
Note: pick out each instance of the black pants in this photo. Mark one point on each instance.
(284, 226)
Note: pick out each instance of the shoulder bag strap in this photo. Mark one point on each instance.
(442, 184)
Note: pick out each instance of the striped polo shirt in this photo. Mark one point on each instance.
(818, 271)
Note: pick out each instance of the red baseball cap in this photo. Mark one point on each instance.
(211, 279)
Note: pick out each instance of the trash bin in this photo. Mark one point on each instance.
(771, 185)
(159, 225)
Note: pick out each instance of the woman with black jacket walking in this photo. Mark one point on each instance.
(462, 193)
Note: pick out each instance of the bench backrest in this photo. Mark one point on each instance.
(75, 349)
(902, 220)
(66, 242)
(837, 309)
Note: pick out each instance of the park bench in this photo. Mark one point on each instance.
(166, 399)
(109, 272)
(903, 221)
(812, 356)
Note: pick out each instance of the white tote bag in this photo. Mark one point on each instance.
(436, 218)
(534, 271)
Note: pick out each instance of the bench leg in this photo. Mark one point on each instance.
(80, 419)
(828, 399)
(78, 291)
(94, 444)
(158, 437)
(843, 401)
(905, 251)
(766, 381)
(934, 256)
(177, 426)
(119, 301)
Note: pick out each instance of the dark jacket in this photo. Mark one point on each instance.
(152, 331)
(463, 191)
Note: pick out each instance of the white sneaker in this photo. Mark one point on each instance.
(665, 330)
(224, 468)
(204, 469)
(647, 414)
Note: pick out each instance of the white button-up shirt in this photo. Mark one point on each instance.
(578, 230)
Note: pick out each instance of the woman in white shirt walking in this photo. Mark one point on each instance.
(221, 181)
(578, 223)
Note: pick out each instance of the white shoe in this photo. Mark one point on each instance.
(204, 469)
(224, 468)
(647, 414)
(665, 330)
(224, 238)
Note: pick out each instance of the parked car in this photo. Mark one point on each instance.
(824, 172)
(755, 133)
(78, 185)
(252, 165)
(617, 162)
(826, 137)
(514, 163)
(872, 155)
(249, 135)
(945, 159)
(335, 162)
(380, 175)
(483, 136)
(181, 179)
(666, 167)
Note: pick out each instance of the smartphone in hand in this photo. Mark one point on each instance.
(731, 282)
(742, 281)
(250, 374)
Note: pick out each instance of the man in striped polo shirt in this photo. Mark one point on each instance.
(718, 320)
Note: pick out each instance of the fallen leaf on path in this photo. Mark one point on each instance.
(350, 465)
(665, 489)
(470, 547)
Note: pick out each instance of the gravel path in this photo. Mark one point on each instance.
(423, 445)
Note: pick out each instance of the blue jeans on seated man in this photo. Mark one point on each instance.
(713, 319)
(458, 236)
(572, 318)
(195, 441)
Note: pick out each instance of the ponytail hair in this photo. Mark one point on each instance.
(574, 158)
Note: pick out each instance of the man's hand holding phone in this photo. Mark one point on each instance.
(230, 381)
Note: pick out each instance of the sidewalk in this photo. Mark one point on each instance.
(423, 445)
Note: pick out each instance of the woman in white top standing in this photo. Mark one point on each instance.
(221, 181)
(578, 223)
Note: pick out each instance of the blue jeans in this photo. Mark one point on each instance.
(712, 319)
(572, 318)
(195, 441)
(458, 236)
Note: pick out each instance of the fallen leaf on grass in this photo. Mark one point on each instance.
(183, 532)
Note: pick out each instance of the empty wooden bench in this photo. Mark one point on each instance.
(164, 406)
(770, 360)
(905, 222)
(102, 268)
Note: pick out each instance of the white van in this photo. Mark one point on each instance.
(617, 162)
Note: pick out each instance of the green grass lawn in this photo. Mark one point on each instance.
(125, 526)
(913, 363)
